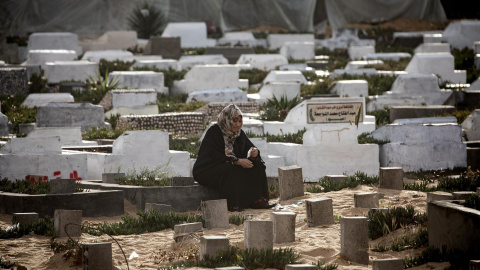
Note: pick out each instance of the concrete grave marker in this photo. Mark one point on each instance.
(111, 178)
(192, 34)
(366, 199)
(57, 114)
(471, 125)
(54, 41)
(276, 41)
(263, 61)
(290, 182)
(441, 64)
(219, 95)
(391, 178)
(285, 76)
(358, 52)
(14, 80)
(319, 211)
(97, 256)
(288, 90)
(189, 61)
(112, 40)
(183, 231)
(109, 55)
(58, 71)
(160, 64)
(258, 234)
(300, 267)
(298, 50)
(231, 54)
(283, 226)
(41, 57)
(354, 239)
(36, 100)
(64, 217)
(139, 80)
(461, 34)
(215, 213)
(350, 88)
(211, 244)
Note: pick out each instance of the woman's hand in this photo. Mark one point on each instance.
(253, 152)
(245, 163)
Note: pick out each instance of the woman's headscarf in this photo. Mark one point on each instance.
(225, 122)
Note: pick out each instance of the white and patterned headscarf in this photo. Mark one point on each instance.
(225, 122)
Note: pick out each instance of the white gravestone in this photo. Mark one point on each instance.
(160, 64)
(358, 52)
(192, 34)
(239, 38)
(59, 71)
(218, 95)
(298, 50)
(188, 61)
(109, 55)
(139, 80)
(41, 99)
(54, 41)
(111, 40)
(471, 125)
(441, 64)
(433, 48)
(285, 76)
(462, 33)
(276, 41)
(40, 57)
(263, 61)
(350, 88)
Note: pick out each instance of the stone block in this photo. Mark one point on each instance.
(439, 196)
(276, 41)
(298, 50)
(290, 182)
(362, 64)
(159, 208)
(13, 81)
(192, 34)
(471, 125)
(139, 80)
(41, 57)
(54, 41)
(64, 217)
(58, 114)
(300, 267)
(285, 76)
(215, 214)
(25, 219)
(283, 226)
(109, 55)
(230, 53)
(58, 186)
(441, 64)
(350, 88)
(37, 100)
(182, 181)
(263, 61)
(211, 244)
(387, 264)
(258, 234)
(221, 95)
(3, 125)
(167, 47)
(366, 199)
(354, 239)
(319, 211)
(183, 231)
(97, 256)
(245, 39)
(336, 178)
(407, 39)
(111, 178)
(461, 34)
(358, 52)
(462, 195)
(132, 98)
(433, 48)
(391, 178)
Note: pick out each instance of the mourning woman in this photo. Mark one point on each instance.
(229, 163)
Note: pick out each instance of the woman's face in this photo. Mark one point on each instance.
(237, 122)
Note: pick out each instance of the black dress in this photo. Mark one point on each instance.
(214, 169)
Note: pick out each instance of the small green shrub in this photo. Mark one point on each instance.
(159, 176)
(465, 60)
(113, 119)
(319, 87)
(147, 20)
(177, 103)
(282, 107)
(364, 139)
(468, 181)
(327, 185)
(391, 65)
(37, 83)
(321, 266)
(457, 258)
(96, 89)
(380, 223)
(42, 227)
(24, 186)
(254, 75)
(274, 191)
(190, 144)
(473, 202)
(236, 219)
(382, 117)
(420, 239)
(105, 66)
(21, 115)
(95, 133)
(460, 115)
(11, 102)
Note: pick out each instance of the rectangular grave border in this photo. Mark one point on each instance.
(94, 203)
(181, 198)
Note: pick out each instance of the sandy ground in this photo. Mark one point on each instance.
(153, 249)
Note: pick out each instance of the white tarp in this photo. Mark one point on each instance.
(99, 16)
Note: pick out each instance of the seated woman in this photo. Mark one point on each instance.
(229, 163)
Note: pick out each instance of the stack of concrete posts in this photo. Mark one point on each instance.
(440, 64)
(411, 89)
(422, 146)
(111, 40)
(209, 77)
(192, 34)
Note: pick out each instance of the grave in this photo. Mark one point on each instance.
(354, 239)
(187, 62)
(215, 214)
(230, 53)
(258, 234)
(440, 64)
(211, 244)
(424, 147)
(343, 38)
(111, 178)
(433, 48)
(13, 81)
(278, 89)
(461, 34)
(69, 136)
(111, 40)
(362, 64)
(185, 230)
(41, 57)
(139, 80)
(82, 71)
(395, 56)
(160, 64)
(283, 226)
(366, 199)
(411, 89)
(220, 95)
(298, 50)
(358, 52)
(319, 211)
(263, 61)
(108, 55)
(25, 219)
(167, 47)
(407, 112)
(159, 208)
(285, 76)
(54, 41)
(192, 34)
(300, 267)
(350, 88)
(471, 126)
(132, 101)
(391, 178)
(61, 220)
(57, 114)
(444, 219)
(36, 100)
(239, 38)
(97, 256)
(59, 186)
(276, 41)
(290, 182)
(209, 77)
(387, 264)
